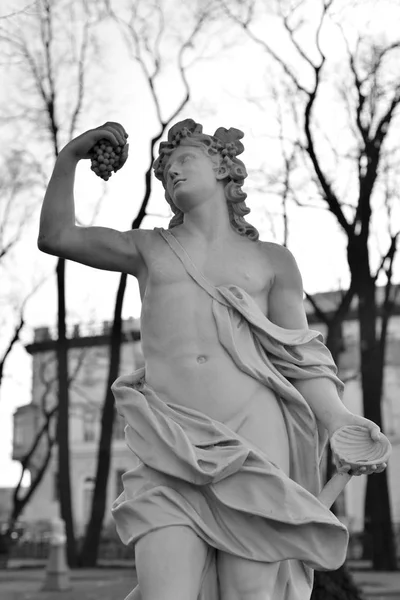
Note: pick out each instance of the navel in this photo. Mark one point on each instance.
(201, 358)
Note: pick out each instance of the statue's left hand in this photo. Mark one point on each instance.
(375, 433)
(352, 419)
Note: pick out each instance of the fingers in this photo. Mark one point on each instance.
(381, 468)
(368, 469)
(118, 131)
(105, 134)
(375, 433)
(343, 466)
(114, 132)
(124, 156)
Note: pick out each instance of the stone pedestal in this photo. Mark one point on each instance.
(57, 571)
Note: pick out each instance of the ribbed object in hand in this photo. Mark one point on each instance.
(353, 445)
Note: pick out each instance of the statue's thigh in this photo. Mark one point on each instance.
(242, 579)
(169, 563)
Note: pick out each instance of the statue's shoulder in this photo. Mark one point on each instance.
(277, 250)
(280, 257)
(269, 246)
(144, 239)
(146, 234)
(273, 250)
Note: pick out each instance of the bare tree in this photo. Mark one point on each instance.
(54, 44)
(144, 33)
(22, 10)
(370, 97)
(37, 457)
(21, 177)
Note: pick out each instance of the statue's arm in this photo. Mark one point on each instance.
(98, 247)
(286, 308)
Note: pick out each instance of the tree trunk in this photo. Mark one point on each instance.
(339, 584)
(64, 480)
(90, 547)
(334, 342)
(5, 549)
(378, 523)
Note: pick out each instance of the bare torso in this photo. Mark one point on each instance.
(184, 359)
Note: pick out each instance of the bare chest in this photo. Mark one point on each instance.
(244, 264)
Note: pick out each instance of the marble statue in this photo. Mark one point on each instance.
(237, 398)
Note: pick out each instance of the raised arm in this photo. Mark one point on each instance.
(99, 247)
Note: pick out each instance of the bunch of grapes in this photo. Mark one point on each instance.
(105, 158)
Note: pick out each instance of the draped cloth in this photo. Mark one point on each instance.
(199, 472)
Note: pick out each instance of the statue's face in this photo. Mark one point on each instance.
(190, 176)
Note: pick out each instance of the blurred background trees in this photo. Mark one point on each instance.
(50, 56)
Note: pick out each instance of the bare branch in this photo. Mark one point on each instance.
(15, 337)
(137, 55)
(326, 6)
(19, 503)
(383, 125)
(81, 79)
(358, 82)
(292, 32)
(318, 311)
(47, 40)
(389, 298)
(386, 263)
(367, 181)
(15, 182)
(339, 312)
(387, 49)
(19, 12)
(97, 207)
(157, 42)
(44, 430)
(323, 181)
(330, 196)
(266, 47)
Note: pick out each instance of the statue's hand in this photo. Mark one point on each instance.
(352, 419)
(81, 146)
(375, 433)
(344, 467)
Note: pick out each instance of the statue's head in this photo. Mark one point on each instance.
(221, 149)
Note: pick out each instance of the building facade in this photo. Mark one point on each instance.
(88, 370)
(88, 365)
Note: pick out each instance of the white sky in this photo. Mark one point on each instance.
(218, 90)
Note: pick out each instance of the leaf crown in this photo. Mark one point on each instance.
(225, 142)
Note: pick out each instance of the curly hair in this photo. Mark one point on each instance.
(222, 148)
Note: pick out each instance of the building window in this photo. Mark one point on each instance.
(89, 426)
(88, 489)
